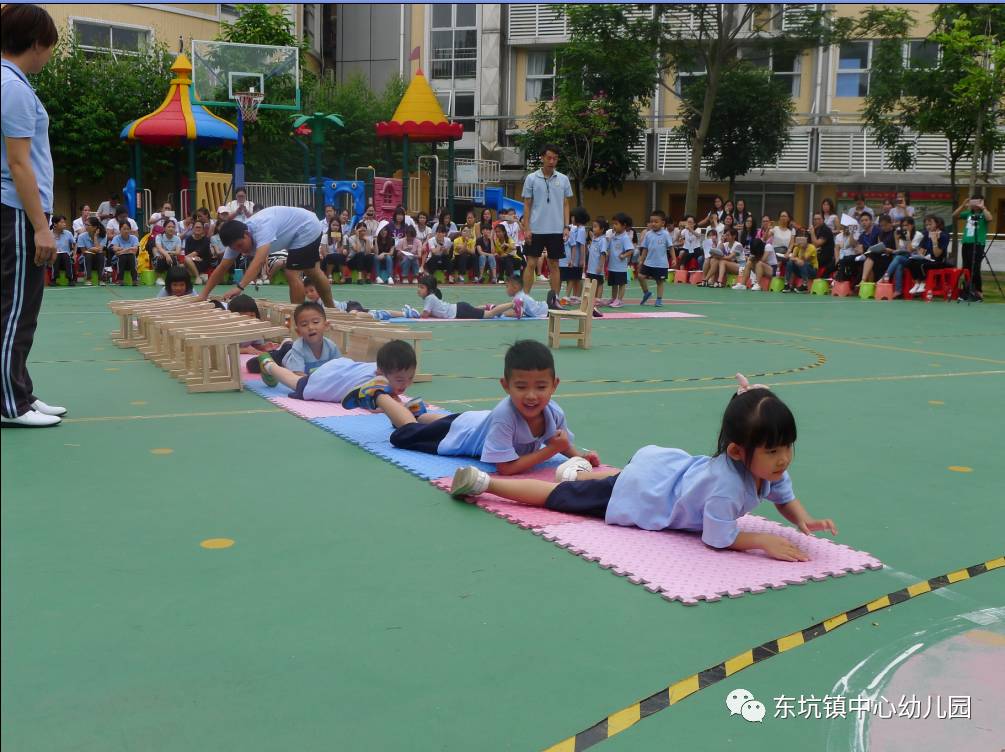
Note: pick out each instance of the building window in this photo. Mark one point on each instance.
(785, 67)
(853, 69)
(459, 106)
(921, 54)
(454, 41)
(103, 37)
(228, 11)
(686, 77)
(540, 75)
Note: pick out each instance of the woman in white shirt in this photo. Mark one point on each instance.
(240, 207)
(728, 259)
(782, 236)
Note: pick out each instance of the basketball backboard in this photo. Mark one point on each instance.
(222, 69)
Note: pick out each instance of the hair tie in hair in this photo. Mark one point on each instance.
(743, 385)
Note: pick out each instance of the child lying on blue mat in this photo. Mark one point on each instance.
(525, 429)
(668, 489)
(311, 350)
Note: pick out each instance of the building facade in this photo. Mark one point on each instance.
(490, 64)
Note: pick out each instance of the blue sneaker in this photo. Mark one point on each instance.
(659, 302)
(645, 297)
(381, 315)
(410, 312)
(365, 396)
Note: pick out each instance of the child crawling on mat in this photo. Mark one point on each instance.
(354, 383)
(311, 350)
(668, 489)
(525, 429)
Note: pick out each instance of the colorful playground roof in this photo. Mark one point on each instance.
(419, 116)
(178, 119)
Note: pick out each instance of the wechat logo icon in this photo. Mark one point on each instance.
(741, 702)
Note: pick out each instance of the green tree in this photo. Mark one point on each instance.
(656, 42)
(579, 129)
(90, 96)
(957, 95)
(270, 153)
(753, 115)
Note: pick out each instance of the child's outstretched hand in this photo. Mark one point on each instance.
(560, 442)
(780, 548)
(810, 526)
(592, 457)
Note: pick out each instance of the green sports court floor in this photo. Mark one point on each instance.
(359, 608)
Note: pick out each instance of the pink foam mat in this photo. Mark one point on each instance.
(615, 314)
(677, 565)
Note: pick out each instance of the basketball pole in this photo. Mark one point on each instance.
(238, 179)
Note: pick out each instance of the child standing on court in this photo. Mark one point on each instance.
(668, 489)
(621, 250)
(657, 256)
(525, 429)
(596, 259)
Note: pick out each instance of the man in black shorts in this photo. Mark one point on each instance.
(277, 228)
(546, 194)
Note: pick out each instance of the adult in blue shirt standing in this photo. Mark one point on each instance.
(546, 194)
(27, 38)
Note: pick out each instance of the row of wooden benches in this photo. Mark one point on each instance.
(199, 344)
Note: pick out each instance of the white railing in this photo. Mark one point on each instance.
(857, 151)
(281, 194)
(674, 154)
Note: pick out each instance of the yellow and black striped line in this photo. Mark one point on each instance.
(819, 360)
(625, 718)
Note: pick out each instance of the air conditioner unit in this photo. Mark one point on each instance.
(512, 156)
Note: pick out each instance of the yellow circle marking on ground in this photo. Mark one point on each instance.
(961, 469)
(935, 365)
(111, 370)
(162, 450)
(936, 402)
(138, 402)
(217, 543)
(99, 348)
(657, 351)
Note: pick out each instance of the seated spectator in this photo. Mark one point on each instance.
(860, 208)
(822, 237)
(168, 248)
(80, 223)
(360, 253)
(932, 253)
(908, 241)
(879, 255)
(198, 252)
(240, 207)
(801, 262)
(409, 249)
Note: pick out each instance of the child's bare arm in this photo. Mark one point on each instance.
(796, 513)
(527, 461)
(774, 546)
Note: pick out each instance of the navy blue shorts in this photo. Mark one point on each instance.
(422, 437)
(588, 498)
(617, 278)
(570, 273)
(658, 273)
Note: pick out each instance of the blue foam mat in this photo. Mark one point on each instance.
(372, 433)
(262, 390)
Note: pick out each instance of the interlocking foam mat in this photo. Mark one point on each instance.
(676, 565)
(608, 314)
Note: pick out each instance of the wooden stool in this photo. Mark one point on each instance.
(212, 360)
(583, 316)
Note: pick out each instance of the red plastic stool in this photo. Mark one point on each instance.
(765, 283)
(945, 283)
(680, 276)
(884, 291)
(695, 277)
(841, 289)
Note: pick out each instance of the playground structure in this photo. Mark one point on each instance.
(224, 75)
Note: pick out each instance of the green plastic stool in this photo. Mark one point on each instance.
(820, 287)
(61, 279)
(148, 277)
(867, 290)
(441, 278)
(279, 278)
(730, 280)
(777, 284)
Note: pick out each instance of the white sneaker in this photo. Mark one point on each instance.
(39, 406)
(390, 280)
(541, 278)
(571, 468)
(755, 287)
(914, 290)
(739, 286)
(469, 481)
(160, 281)
(921, 289)
(380, 281)
(860, 257)
(32, 419)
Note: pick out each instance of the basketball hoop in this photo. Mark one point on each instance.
(248, 102)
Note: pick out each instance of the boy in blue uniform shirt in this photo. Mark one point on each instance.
(657, 256)
(522, 431)
(668, 489)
